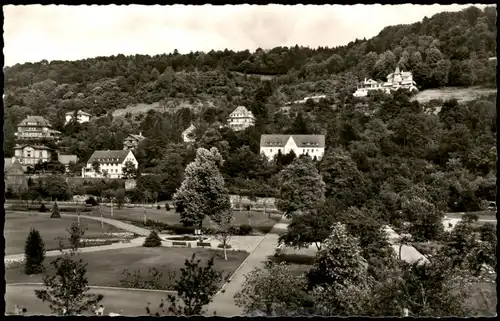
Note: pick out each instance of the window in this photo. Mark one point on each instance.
(271, 150)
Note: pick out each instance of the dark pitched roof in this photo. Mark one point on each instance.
(39, 120)
(13, 168)
(7, 163)
(34, 146)
(109, 156)
(300, 140)
(66, 159)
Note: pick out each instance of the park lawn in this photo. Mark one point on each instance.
(123, 301)
(18, 226)
(257, 219)
(105, 268)
(482, 215)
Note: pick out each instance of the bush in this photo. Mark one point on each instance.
(158, 207)
(153, 240)
(157, 225)
(42, 208)
(181, 229)
(245, 229)
(34, 251)
(91, 201)
(167, 206)
(55, 211)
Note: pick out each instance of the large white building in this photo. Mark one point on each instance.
(36, 128)
(312, 145)
(241, 118)
(111, 163)
(397, 79)
(82, 117)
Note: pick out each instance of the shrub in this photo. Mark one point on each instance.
(245, 229)
(34, 252)
(180, 229)
(55, 211)
(42, 208)
(91, 201)
(153, 240)
(265, 229)
(158, 207)
(167, 206)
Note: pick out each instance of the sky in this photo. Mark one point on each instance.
(55, 32)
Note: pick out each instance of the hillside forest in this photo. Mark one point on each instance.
(381, 147)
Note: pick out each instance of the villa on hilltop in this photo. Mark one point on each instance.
(81, 116)
(312, 145)
(240, 119)
(397, 79)
(111, 163)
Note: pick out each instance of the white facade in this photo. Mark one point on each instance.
(395, 81)
(312, 149)
(188, 134)
(112, 165)
(82, 117)
(240, 119)
(31, 154)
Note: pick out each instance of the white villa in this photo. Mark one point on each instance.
(31, 154)
(397, 79)
(111, 163)
(312, 145)
(36, 128)
(82, 117)
(240, 119)
(188, 134)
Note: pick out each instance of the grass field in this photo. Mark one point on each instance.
(105, 268)
(123, 301)
(482, 215)
(17, 228)
(460, 93)
(258, 219)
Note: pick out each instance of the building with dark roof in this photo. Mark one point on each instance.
(111, 163)
(132, 141)
(14, 176)
(34, 128)
(240, 119)
(312, 145)
(30, 154)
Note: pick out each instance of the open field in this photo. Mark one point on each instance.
(257, 219)
(483, 215)
(105, 268)
(17, 228)
(124, 301)
(460, 93)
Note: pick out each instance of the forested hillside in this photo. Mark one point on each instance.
(382, 146)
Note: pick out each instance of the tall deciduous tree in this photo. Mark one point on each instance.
(301, 187)
(202, 193)
(272, 291)
(129, 171)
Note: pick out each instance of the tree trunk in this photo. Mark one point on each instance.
(240, 203)
(400, 246)
(225, 251)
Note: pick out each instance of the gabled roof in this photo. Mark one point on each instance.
(109, 156)
(136, 137)
(66, 159)
(300, 140)
(14, 168)
(241, 110)
(35, 119)
(189, 129)
(31, 145)
(80, 112)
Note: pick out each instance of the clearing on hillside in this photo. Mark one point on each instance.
(462, 94)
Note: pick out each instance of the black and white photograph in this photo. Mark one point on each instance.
(250, 160)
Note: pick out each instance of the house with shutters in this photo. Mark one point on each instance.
(132, 141)
(111, 163)
(312, 145)
(240, 119)
(36, 128)
(395, 80)
(81, 116)
(31, 154)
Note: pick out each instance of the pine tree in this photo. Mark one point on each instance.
(34, 251)
(153, 240)
(55, 211)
